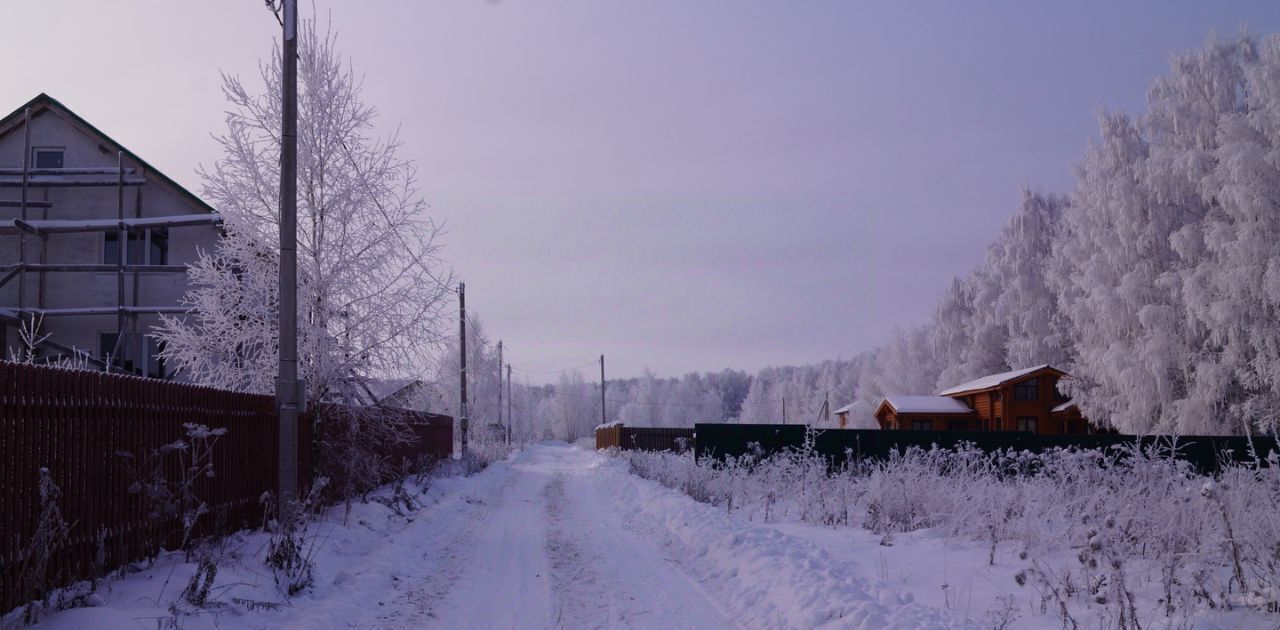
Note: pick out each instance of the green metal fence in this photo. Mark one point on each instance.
(716, 441)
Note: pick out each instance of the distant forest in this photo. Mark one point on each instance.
(1155, 283)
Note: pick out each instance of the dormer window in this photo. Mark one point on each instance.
(1027, 390)
(47, 157)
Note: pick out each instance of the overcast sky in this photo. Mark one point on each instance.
(680, 185)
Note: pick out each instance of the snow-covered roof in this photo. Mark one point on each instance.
(844, 409)
(992, 380)
(400, 393)
(926, 404)
(1064, 406)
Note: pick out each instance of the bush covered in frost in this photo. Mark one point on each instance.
(1126, 518)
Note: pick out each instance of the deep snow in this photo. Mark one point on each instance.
(554, 537)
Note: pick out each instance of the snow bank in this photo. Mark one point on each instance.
(764, 578)
(359, 566)
(1088, 537)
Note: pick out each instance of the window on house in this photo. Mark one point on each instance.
(922, 425)
(958, 424)
(157, 246)
(1027, 390)
(155, 363)
(111, 350)
(1027, 424)
(149, 248)
(46, 157)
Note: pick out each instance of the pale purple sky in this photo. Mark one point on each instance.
(680, 185)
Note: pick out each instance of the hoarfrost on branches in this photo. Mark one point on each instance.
(371, 285)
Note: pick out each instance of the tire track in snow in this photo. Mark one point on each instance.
(418, 591)
(504, 579)
(581, 598)
(633, 584)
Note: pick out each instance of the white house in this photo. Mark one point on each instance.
(93, 240)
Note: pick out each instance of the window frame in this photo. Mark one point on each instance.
(36, 151)
(1028, 424)
(916, 424)
(139, 247)
(1020, 388)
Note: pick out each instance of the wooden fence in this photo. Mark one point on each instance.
(644, 438)
(78, 425)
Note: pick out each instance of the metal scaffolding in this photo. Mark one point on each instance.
(121, 178)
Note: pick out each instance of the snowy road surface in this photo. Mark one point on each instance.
(568, 539)
(549, 552)
(554, 537)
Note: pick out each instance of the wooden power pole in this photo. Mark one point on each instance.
(603, 420)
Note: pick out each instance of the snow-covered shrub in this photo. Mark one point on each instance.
(171, 500)
(33, 561)
(1125, 519)
(294, 543)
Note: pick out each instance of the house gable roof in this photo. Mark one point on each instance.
(44, 103)
(994, 381)
(923, 404)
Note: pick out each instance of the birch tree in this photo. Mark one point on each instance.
(371, 284)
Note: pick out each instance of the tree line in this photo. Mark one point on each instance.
(1155, 283)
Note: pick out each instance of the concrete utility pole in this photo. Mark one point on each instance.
(510, 418)
(500, 383)
(462, 352)
(784, 410)
(287, 382)
(602, 415)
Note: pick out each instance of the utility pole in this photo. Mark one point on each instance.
(287, 385)
(462, 352)
(784, 410)
(602, 415)
(510, 418)
(500, 383)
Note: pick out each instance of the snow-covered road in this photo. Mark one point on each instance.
(553, 537)
(567, 538)
(549, 552)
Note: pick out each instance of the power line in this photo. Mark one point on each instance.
(646, 402)
(571, 369)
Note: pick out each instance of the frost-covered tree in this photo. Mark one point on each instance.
(1162, 264)
(1025, 305)
(485, 379)
(371, 285)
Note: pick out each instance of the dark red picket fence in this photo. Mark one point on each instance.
(77, 425)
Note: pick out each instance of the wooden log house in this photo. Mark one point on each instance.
(1020, 400)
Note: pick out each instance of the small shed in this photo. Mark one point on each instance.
(925, 413)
